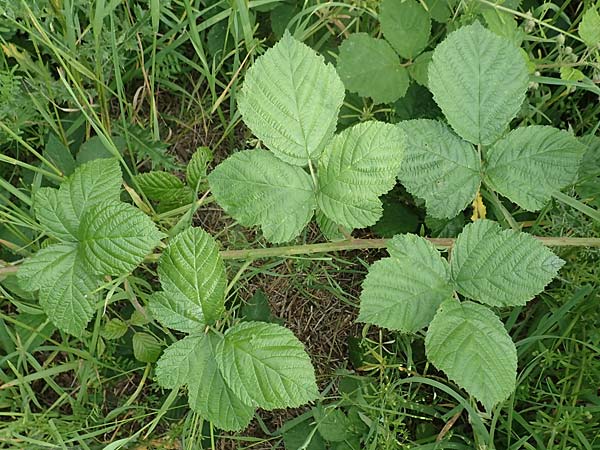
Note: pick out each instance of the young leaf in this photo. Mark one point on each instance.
(402, 292)
(290, 100)
(501, 267)
(164, 187)
(532, 163)
(371, 68)
(469, 343)
(115, 237)
(265, 365)
(479, 80)
(439, 167)
(191, 361)
(66, 290)
(51, 215)
(406, 25)
(114, 329)
(589, 27)
(145, 347)
(195, 171)
(358, 166)
(91, 183)
(192, 275)
(256, 188)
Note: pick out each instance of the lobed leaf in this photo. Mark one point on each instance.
(290, 100)
(403, 292)
(479, 80)
(439, 167)
(501, 267)
(532, 163)
(371, 68)
(469, 343)
(256, 188)
(358, 166)
(266, 366)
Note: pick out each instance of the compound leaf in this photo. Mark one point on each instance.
(191, 361)
(192, 275)
(266, 366)
(115, 237)
(50, 214)
(532, 163)
(439, 167)
(358, 166)
(479, 80)
(406, 25)
(402, 292)
(66, 290)
(501, 267)
(164, 187)
(91, 183)
(371, 68)
(290, 99)
(469, 343)
(256, 188)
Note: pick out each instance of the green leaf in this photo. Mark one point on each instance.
(371, 68)
(114, 329)
(420, 68)
(332, 423)
(329, 228)
(439, 10)
(195, 171)
(51, 215)
(504, 24)
(469, 343)
(91, 183)
(358, 166)
(295, 438)
(258, 309)
(145, 347)
(397, 218)
(164, 186)
(66, 291)
(265, 365)
(532, 163)
(192, 275)
(256, 188)
(479, 80)
(290, 100)
(191, 361)
(94, 149)
(115, 237)
(439, 167)
(406, 25)
(589, 27)
(501, 267)
(59, 154)
(588, 184)
(402, 292)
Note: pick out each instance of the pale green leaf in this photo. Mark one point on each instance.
(91, 183)
(439, 167)
(192, 275)
(371, 68)
(51, 215)
(479, 80)
(501, 267)
(290, 99)
(532, 163)
(256, 188)
(406, 25)
(402, 292)
(115, 237)
(66, 291)
(191, 361)
(469, 343)
(358, 166)
(330, 229)
(266, 365)
(195, 171)
(145, 347)
(589, 27)
(164, 186)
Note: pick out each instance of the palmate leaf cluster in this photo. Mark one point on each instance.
(253, 364)
(290, 100)
(93, 234)
(415, 288)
